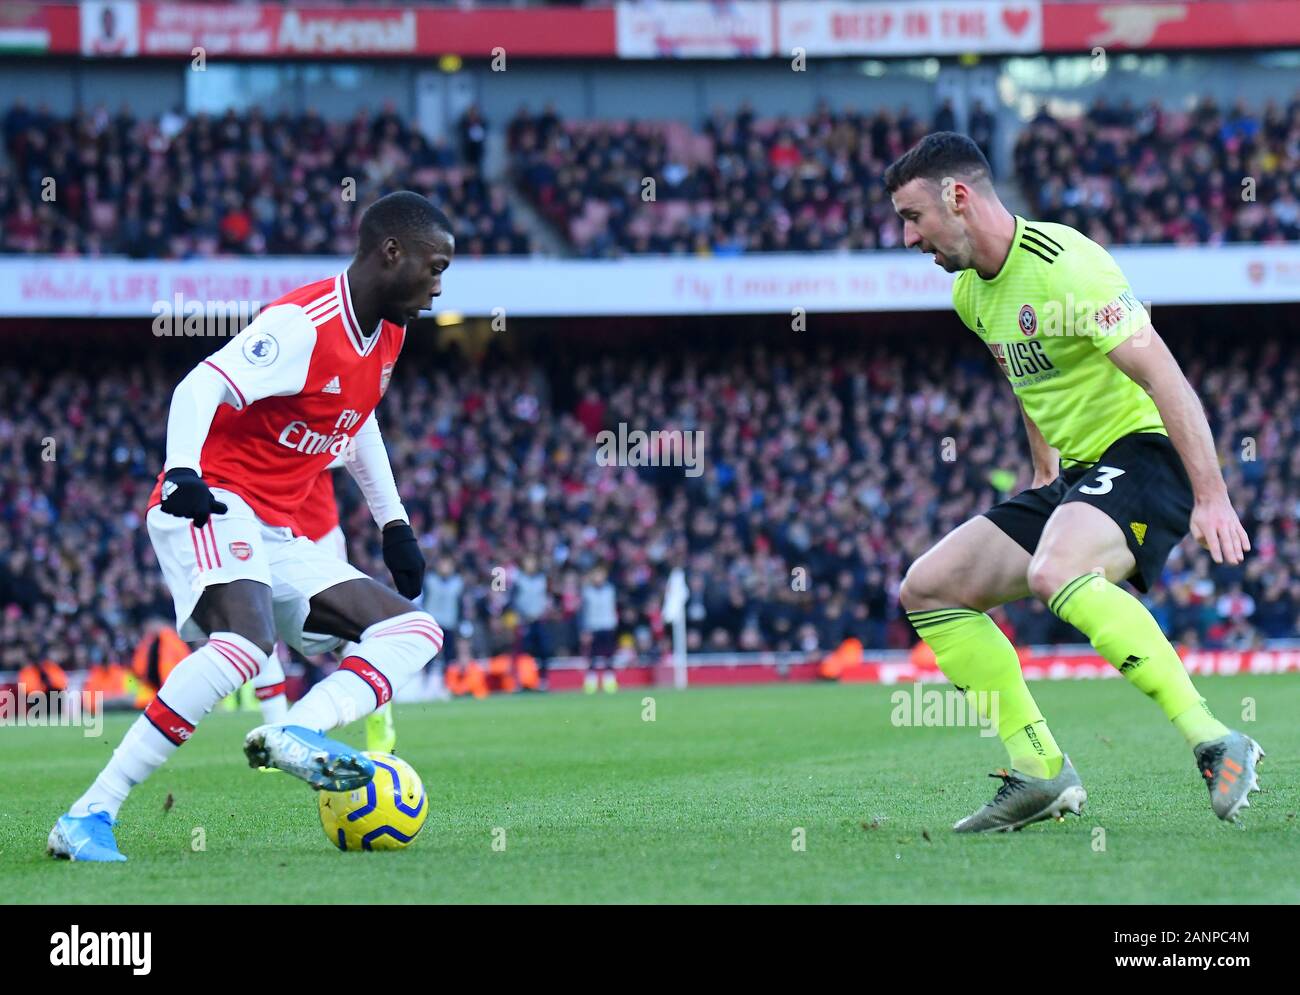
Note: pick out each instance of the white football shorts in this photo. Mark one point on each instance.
(334, 543)
(240, 546)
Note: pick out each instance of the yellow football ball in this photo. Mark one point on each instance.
(387, 814)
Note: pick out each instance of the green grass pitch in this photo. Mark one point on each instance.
(702, 804)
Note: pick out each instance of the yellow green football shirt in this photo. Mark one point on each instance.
(1050, 316)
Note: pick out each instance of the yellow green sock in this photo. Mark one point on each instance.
(976, 656)
(1129, 638)
(381, 730)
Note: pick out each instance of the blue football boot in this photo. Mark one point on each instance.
(84, 837)
(322, 762)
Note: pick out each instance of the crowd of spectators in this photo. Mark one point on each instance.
(1124, 174)
(738, 184)
(180, 187)
(247, 183)
(824, 475)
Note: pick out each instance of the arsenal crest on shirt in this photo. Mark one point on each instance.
(385, 375)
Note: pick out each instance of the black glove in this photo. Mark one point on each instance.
(185, 495)
(403, 558)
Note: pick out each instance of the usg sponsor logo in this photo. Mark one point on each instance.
(102, 949)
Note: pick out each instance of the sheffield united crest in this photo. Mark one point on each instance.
(1028, 319)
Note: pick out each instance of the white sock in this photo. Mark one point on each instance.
(390, 653)
(142, 751)
(274, 708)
(191, 690)
(269, 688)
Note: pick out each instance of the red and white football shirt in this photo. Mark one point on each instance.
(304, 380)
(318, 515)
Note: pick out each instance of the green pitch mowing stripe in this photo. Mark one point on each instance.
(704, 804)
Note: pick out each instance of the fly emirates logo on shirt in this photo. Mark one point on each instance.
(302, 439)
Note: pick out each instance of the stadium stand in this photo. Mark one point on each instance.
(1129, 175)
(178, 187)
(184, 187)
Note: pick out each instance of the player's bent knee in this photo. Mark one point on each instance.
(259, 632)
(922, 589)
(911, 595)
(263, 642)
(400, 646)
(256, 631)
(1046, 576)
(242, 607)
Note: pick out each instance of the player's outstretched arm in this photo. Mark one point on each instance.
(367, 461)
(1047, 461)
(1146, 359)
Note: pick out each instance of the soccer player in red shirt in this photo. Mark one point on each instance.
(249, 432)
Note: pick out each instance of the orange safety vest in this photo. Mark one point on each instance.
(499, 676)
(108, 679)
(526, 669)
(43, 678)
(154, 659)
(922, 656)
(846, 654)
(467, 678)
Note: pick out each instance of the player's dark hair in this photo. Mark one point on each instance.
(940, 154)
(400, 215)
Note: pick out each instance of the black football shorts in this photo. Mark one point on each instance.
(1139, 482)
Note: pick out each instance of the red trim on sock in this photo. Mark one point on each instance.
(168, 722)
(243, 661)
(227, 653)
(250, 661)
(368, 673)
(406, 624)
(432, 633)
(269, 692)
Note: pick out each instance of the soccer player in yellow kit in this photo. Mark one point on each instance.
(1124, 464)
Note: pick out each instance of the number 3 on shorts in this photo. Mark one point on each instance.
(1105, 476)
